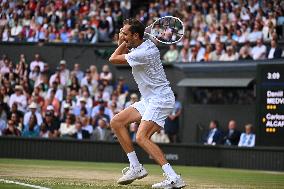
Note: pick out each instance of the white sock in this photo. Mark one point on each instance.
(167, 168)
(133, 160)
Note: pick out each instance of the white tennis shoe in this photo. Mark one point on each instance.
(170, 183)
(132, 173)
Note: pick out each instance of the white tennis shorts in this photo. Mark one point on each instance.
(154, 110)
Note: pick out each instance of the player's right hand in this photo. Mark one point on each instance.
(120, 37)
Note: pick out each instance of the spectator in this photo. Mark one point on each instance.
(172, 122)
(125, 6)
(44, 133)
(4, 109)
(51, 104)
(217, 53)
(230, 55)
(37, 62)
(133, 99)
(19, 98)
(67, 129)
(100, 114)
(60, 76)
(15, 110)
(74, 82)
(67, 110)
(183, 55)
(88, 81)
(274, 51)
(2, 126)
(11, 130)
(102, 131)
(78, 72)
(64, 72)
(100, 107)
(32, 128)
(85, 126)
(256, 34)
(232, 136)
(200, 52)
(160, 137)
(171, 55)
(258, 52)
(33, 111)
(82, 104)
(94, 73)
(214, 136)
(104, 28)
(18, 122)
(5, 66)
(51, 125)
(106, 74)
(247, 138)
(245, 51)
(81, 133)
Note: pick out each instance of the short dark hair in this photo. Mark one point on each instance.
(135, 26)
(216, 122)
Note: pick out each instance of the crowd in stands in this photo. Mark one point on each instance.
(67, 21)
(231, 137)
(208, 23)
(34, 102)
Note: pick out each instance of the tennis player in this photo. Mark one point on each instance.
(156, 104)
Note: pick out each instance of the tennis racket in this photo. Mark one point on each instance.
(167, 30)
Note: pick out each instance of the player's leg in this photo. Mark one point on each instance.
(145, 131)
(143, 138)
(119, 125)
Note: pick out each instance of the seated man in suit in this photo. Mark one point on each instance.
(214, 136)
(232, 136)
(274, 51)
(102, 131)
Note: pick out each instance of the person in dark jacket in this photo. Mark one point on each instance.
(232, 135)
(274, 51)
(214, 135)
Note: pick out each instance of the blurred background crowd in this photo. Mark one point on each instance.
(214, 28)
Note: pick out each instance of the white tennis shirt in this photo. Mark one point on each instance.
(148, 72)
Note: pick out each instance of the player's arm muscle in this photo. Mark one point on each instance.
(118, 57)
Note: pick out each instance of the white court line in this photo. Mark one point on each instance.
(22, 184)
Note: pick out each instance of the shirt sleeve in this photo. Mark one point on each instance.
(136, 57)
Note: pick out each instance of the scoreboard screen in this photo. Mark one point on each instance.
(270, 105)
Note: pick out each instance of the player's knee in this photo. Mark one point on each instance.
(115, 122)
(140, 139)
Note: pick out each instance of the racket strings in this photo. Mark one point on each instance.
(167, 30)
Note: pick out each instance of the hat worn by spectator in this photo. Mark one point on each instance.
(66, 106)
(82, 99)
(33, 105)
(19, 87)
(50, 108)
(62, 62)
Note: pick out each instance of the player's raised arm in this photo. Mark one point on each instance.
(118, 57)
